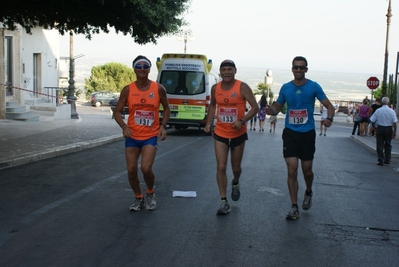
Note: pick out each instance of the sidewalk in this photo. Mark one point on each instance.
(366, 141)
(24, 142)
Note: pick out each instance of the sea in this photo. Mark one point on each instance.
(338, 86)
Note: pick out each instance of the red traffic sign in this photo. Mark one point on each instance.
(373, 83)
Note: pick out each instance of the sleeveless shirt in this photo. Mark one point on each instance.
(143, 111)
(230, 108)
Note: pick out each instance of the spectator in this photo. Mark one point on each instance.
(385, 121)
(363, 113)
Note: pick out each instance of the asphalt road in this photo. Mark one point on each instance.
(73, 210)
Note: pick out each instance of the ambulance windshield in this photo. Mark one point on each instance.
(183, 82)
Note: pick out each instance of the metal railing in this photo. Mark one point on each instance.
(52, 93)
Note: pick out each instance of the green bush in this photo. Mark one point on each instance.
(111, 77)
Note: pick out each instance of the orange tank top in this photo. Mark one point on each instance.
(230, 108)
(143, 111)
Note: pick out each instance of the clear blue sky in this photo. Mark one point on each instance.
(334, 35)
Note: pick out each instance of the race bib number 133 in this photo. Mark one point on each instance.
(227, 115)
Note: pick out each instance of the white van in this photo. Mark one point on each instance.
(188, 79)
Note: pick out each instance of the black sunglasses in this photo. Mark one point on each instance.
(299, 67)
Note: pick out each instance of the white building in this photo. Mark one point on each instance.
(29, 67)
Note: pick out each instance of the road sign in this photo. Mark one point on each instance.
(373, 83)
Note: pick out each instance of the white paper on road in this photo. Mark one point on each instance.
(176, 193)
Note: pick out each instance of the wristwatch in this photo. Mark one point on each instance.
(242, 122)
(330, 118)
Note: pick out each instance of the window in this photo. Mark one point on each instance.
(183, 82)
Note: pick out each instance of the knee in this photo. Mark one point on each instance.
(222, 167)
(131, 169)
(308, 173)
(145, 169)
(237, 169)
(292, 174)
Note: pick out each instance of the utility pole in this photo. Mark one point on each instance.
(384, 81)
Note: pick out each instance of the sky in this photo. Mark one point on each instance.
(334, 35)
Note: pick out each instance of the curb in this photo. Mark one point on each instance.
(372, 148)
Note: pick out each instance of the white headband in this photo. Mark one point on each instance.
(141, 60)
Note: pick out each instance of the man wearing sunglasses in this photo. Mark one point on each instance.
(229, 97)
(299, 135)
(143, 129)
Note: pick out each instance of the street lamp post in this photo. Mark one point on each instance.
(71, 81)
(185, 35)
(384, 81)
(71, 87)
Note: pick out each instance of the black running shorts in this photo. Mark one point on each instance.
(299, 145)
(233, 142)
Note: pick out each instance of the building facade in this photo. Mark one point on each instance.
(29, 66)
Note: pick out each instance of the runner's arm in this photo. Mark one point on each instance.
(166, 111)
(211, 110)
(248, 95)
(119, 109)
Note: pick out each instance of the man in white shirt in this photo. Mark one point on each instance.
(384, 121)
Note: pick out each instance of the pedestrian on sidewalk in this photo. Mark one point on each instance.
(363, 113)
(324, 115)
(273, 121)
(262, 112)
(356, 120)
(384, 122)
(143, 129)
(229, 96)
(299, 134)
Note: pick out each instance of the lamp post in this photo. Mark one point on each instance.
(71, 81)
(384, 81)
(71, 87)
(185, 35)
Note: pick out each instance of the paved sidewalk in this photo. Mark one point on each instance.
(24, 142)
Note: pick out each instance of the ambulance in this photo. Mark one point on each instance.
(188, 79)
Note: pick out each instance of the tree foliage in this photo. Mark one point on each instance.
(262, 90)
(144, 20)
(111, 77)
(392, 93)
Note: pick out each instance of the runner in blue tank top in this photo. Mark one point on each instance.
(299, 135)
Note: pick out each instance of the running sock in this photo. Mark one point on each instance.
(139, 196)
(295, 206)
(308, 193)
(235, 183)
(148, 191)
(223, 198)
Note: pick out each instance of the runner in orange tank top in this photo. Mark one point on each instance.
(229, 97)
(143, 128)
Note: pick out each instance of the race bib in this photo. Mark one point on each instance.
(298, 116)
(227, 115)
(144, 118)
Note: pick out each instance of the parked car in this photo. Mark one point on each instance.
(101, 98)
